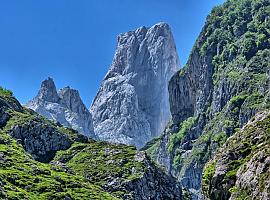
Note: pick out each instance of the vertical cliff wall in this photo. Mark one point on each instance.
(132, 104)
(224, 83)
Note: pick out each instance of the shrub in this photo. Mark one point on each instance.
(5, 92)
(177, 137)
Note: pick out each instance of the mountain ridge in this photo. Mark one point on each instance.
(64, 106)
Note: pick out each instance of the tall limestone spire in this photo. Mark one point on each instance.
(132, 104)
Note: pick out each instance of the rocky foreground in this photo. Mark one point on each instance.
(241, 168)
(40, 159)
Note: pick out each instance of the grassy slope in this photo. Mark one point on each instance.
(87, 170)
(21, 177)
(103, 163)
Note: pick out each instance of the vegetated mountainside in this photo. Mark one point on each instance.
(40, 159)
(64, 106)
(241, 168)
(224, 84)
(132, 104)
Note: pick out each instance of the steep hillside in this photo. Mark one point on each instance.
(43, 160)
(224, 84)
(132, 104)
(241, 168)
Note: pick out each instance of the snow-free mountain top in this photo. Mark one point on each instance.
(64, 106)
(132, 104)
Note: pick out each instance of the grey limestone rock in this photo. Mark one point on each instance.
(154, 184)
(241, 167)
(64, 106)
(132, 104)
(40, 140)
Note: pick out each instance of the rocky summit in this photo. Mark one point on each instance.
(64, 106)
(132, 104)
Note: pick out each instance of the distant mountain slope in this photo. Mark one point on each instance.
(64, 106)
(224, 84)
(132, 104)
(40, 159)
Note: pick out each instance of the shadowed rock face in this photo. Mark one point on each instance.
(132, 103)
(64, 106)
(40, 140)
(48, 91)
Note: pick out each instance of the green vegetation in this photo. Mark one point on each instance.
(177, 160)
(239, 152)
(151, 148)
(208, 173)
(182, 71)
(234, 45)
(234, 34)
(247, 147)
(23, 178)
(220, 138)
(18, 118)
(233, 165)
(106, 161)
(88, 166)
(5, 92)
(237, 100)
(177, 137)
(87, 169)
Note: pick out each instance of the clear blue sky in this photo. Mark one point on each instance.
(73, 41)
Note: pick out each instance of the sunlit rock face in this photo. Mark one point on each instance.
(132, 104)
(64, 106)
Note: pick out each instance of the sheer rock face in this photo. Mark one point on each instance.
(64, 106)
(214, 95)
(132, 104)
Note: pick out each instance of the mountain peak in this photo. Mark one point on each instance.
(161, 26)
(64, 106)
(71, 98)
(48, 91)
(132, 104)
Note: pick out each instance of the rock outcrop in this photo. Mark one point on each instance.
(64, 106)
(241, 168)
(132, 104)
(40, 140)
(224, 84)
(41, 159)
(121, 170)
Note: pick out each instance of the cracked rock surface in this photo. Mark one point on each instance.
(132, 104)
